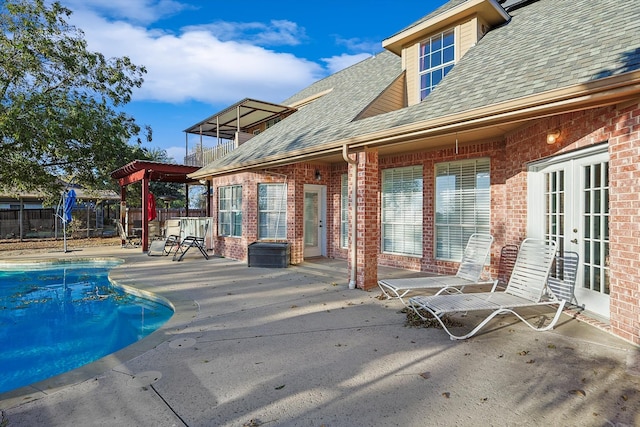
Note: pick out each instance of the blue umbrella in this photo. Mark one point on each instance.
(69, 203)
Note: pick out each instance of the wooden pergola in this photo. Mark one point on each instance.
(147, 171)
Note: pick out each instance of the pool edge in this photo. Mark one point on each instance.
(184, 313)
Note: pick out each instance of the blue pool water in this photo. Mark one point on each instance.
(58, 316)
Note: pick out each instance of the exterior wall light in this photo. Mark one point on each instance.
(318, 175)
(552, 136)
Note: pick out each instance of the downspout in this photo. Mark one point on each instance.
(354, 213)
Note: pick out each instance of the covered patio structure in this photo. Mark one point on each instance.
(147, 171)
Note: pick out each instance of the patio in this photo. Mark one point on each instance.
(294, 346)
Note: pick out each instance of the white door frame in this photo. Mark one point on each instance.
(321, 248)
(576, 234)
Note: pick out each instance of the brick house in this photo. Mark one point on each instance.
(518, 118)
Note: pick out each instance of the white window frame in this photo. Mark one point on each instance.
(230, 211)
(272, 211)
(344, 210)
(402, 211)
(462, 204)
(435, 60)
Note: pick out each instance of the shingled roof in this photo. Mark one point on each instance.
(546, 46)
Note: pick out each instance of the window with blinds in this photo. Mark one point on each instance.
(272, 211)
(402, 215)
(463, 205)
(344, 211)
(230, 211)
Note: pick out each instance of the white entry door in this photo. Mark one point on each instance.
(575, 213)
(314, 221)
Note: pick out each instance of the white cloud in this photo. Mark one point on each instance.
(276, 33)
(197, 65)
(337, 63)
(138, 11)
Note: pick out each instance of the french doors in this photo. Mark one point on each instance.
(574, 191)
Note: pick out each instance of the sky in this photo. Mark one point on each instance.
(203, 56)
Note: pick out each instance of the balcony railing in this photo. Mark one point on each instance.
(203, 156)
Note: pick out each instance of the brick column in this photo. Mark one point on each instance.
(624, 202)
(368, 235)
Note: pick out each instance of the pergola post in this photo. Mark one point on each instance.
(123, 211)
(145, 212)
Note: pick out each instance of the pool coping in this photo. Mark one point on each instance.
(183, 312)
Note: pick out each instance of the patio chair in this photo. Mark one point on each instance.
(129, 240)
(475, 256)
(527, 287)
(562, 278)
(170, 242)
(508, 255)
(192, 242)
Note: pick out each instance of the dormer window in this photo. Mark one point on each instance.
(437, 57)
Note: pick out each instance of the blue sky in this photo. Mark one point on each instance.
(202, 56)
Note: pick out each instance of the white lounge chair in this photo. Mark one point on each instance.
(527, 287)
(474, 258)
(170, 241)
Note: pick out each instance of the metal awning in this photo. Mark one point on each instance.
(240, 116)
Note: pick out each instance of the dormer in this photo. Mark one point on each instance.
(430, 47)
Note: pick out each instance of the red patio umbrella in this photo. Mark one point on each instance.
(151, 207)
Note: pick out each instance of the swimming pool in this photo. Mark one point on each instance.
(57, 316)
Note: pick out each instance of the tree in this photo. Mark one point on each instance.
(58, 102)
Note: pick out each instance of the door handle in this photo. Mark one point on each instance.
(574, 241)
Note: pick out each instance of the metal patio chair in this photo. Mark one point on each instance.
(527, 287)
(129, 240)
(195, 241)
(476, 255)
(170, 242)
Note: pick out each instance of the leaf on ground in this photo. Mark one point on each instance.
(624, 397)
(531, 361)
(523, 352)
(426, 375)
(446, 395)
(427, 320)
(280, 387)
(294, 306)
(578, 392)
(551, 346)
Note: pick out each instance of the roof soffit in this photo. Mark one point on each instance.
(488, 122)
(490, 10)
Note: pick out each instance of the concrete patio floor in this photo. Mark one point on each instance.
(295, 347)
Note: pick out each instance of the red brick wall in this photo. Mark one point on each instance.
(624, 228)
(295, 176)
(621, 128)
(509, 161)
(428, 160)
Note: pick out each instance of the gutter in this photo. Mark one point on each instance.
(354, 212)
(607, 91)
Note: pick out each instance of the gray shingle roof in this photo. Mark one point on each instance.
(548, 44)
(325, 119)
